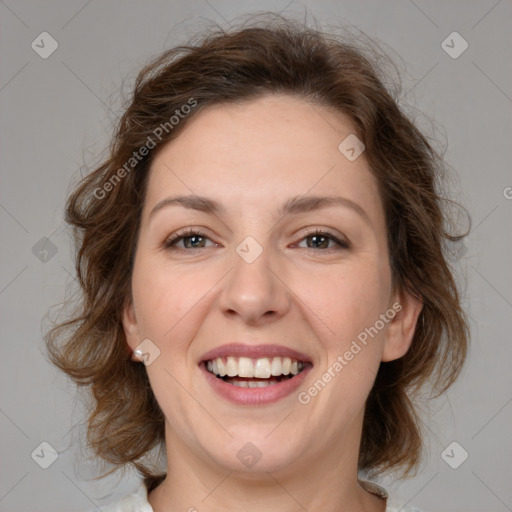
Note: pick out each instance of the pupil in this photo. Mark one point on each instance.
(316, 237)
(191, 238)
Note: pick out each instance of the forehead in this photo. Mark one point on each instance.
(260, 151)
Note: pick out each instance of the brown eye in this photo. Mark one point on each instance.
(191, 240)
(321, 239)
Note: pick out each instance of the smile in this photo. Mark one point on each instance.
(246, 372)
(254, 375)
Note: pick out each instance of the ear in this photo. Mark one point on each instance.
(401, 328)
(131, 328)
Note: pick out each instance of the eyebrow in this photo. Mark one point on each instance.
(294, 205)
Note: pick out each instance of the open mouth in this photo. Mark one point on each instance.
(246, 372)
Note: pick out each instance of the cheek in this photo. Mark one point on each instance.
(162, 297)
(171, 308)
(352, 299)
(353, 302)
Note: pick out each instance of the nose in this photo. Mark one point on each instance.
(255, 290)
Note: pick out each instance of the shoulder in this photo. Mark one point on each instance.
(134, 502)
(138, 501)
(391, 506)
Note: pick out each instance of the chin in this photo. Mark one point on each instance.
(255, 454)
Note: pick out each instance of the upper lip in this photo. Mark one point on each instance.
(255, 352)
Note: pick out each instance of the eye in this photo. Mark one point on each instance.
(320, 240)
(194, 239)
(191, 238)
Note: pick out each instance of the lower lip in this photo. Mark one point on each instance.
(255, 396)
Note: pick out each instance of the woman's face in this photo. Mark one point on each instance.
(259, 290)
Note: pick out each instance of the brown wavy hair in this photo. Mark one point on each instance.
(277, 56)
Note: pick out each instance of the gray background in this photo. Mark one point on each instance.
(57, 114)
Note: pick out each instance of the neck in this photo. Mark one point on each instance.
(321, 481)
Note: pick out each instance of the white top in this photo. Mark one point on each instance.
(138, 501)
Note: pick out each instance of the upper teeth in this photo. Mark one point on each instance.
(260, 368)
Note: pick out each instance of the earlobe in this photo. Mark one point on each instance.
(131, 328)
(402, 327)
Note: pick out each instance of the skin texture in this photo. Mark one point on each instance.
(315, 297)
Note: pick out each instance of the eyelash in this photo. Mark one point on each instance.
(171, 242)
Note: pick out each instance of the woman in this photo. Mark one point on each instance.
(264, 282)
